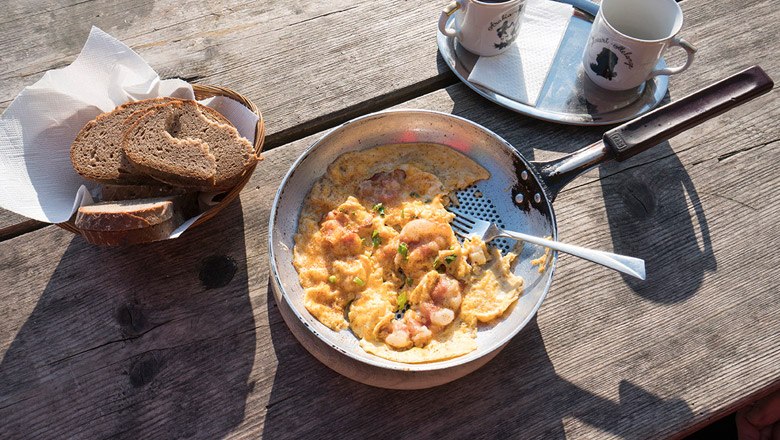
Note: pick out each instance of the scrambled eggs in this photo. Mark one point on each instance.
(375, 252)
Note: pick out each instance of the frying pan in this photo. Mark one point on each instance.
(518, 196)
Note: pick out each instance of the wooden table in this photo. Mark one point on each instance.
(183, 338)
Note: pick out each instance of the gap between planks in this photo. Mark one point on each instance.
(382, 102)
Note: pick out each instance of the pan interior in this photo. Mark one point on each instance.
(474, 203)
(497, 197)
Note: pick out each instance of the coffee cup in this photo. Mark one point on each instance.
(486, 27)
(628, 38)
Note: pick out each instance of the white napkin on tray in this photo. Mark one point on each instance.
(37, 179)
(520, 72)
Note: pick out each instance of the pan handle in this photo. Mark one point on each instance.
(652, 128)
(674, 118)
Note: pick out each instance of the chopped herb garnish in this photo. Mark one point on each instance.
(428, 200)
(359, 281)
(403, 213)
(332, 279)
(409, 281)
(403, 249)
(376, 239)
(401, 302)
(380, 208)
(449, 259)
(414, 194)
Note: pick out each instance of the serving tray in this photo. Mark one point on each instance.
(567, 96)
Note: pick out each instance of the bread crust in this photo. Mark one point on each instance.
(232, 154)
(167, 166)
(103, 160)
(143, 201)
(125, 215)
(158, 232)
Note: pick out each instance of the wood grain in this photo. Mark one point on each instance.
(183, 338)
(307, 65)
(302, 63)
(131, 340)
(290, 58)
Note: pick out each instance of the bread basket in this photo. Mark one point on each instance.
(204, 92)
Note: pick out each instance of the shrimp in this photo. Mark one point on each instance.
(399, 335)
(419, 244)
(407, 331)
(440, 298)
(447, 292)
(440, 316)
(342, 227)
(382, 187)
(335, 231)
(421, 334)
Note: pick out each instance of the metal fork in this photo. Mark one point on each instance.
(467, 226)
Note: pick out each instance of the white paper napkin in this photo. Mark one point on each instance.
(37, 179)
(520, 72)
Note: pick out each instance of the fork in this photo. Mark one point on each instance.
(467, 226)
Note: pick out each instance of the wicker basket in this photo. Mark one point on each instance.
(204, 92)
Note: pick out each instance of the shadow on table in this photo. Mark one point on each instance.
(648, 213)
(647, 206)
(146, 341)
(516, 395)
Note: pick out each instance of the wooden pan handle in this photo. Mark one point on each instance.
(665, 122)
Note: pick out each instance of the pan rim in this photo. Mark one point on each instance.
(386, 363)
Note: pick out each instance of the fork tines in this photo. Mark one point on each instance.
(462, 224)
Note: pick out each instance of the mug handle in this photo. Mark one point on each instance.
(679, 42)
(445, 15)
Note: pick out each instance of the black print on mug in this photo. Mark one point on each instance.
(605, 64)
(506, 33)
(508, 30)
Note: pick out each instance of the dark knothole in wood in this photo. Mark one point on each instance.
(637, 197)
(144, 368)
(131, 320)
(217, 271)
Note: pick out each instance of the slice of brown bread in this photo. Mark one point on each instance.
(134, 221)
(125, 214)
(208, 112)
(175, 143)
(179, 161)
(96, 153)
(158, 232)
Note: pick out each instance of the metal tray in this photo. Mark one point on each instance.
(568, 96)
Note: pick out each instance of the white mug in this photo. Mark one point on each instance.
(485, 28)
(628, 38)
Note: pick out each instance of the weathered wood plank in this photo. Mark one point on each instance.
(348, 70)
(17, 225)
(96, 335)
(104, 343)
(300, 62)
(307, 65)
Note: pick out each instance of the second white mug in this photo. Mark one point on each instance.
(486, 27)
(628, 38)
